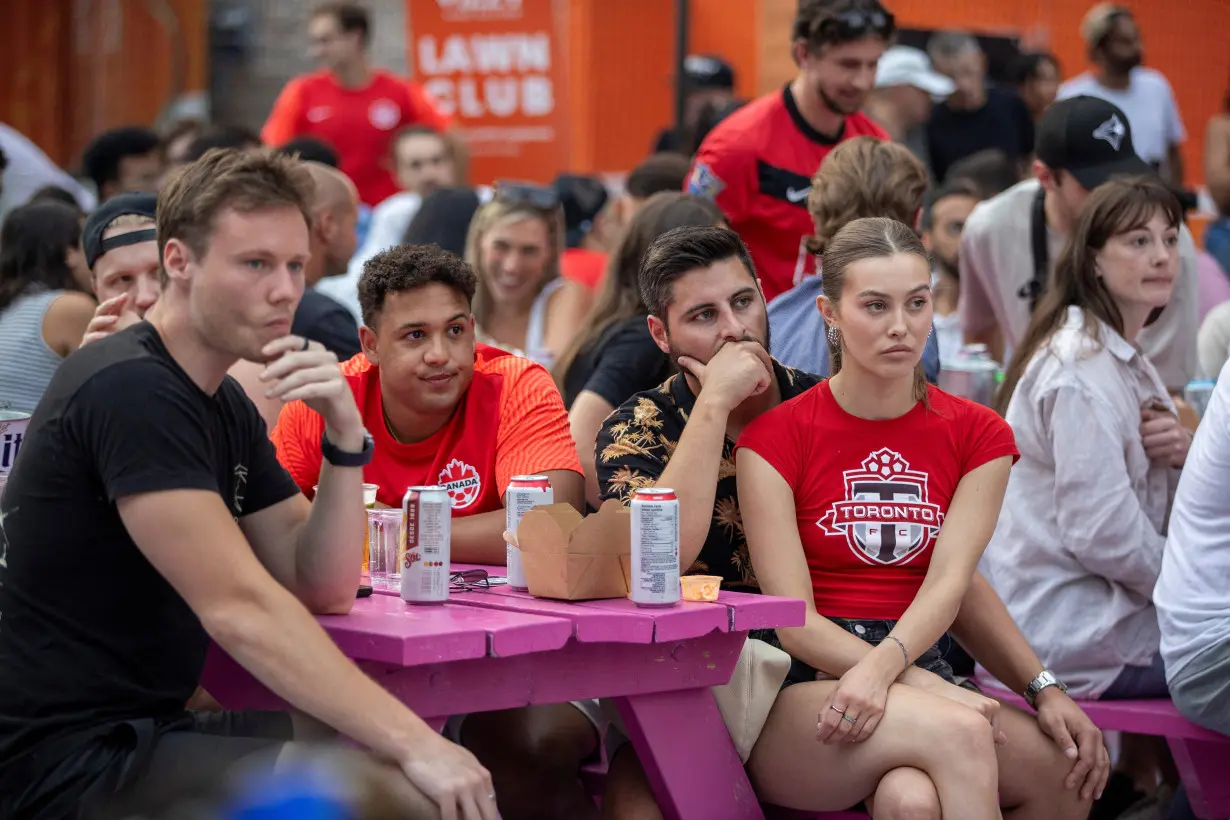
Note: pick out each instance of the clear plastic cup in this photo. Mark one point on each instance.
(384, 545)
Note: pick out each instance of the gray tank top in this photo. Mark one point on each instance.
(26, 362)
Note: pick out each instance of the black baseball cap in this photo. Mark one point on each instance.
(140, 204)
(582, 199)
(706, 71)
(1089, 138)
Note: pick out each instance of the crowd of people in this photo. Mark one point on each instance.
(222, 334)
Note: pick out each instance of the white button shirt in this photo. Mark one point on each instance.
(1078, 546)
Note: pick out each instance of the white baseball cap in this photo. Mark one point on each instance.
(902, 65)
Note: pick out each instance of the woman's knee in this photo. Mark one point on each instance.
(905, 794)
(960, 734)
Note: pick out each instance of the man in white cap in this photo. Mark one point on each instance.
(906, 86)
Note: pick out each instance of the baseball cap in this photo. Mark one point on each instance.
(92, 242)
(1089, 138)
(1100, 20)
(582, 199)
(705, 71)
(902, 65)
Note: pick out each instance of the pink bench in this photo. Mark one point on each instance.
(1202, 756)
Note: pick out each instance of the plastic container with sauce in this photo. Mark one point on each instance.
(701, 587)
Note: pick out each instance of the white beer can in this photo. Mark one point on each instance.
(523, 494)
(427, 524)
(655, 547)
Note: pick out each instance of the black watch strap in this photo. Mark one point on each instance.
(341, 458)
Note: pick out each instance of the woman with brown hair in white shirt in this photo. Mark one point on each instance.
(1078, 547)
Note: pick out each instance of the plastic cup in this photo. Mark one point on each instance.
(384, 545)
(700, 587)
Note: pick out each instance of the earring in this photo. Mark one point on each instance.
(930, 330)
(834, 336)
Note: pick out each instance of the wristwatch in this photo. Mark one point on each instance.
(1046, 679)
(341, 458)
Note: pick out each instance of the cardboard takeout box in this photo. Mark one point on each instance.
(572, 558)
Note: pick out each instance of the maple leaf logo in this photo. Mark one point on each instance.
(462, 482)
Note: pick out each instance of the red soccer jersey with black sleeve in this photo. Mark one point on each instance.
(757, 165)
(870, 496)
(359, 123)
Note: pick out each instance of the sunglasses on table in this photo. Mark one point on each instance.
(468, 580)
(527, 193)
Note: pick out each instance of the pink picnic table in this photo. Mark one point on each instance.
(501, 649)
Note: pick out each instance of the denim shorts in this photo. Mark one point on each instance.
(873, 632)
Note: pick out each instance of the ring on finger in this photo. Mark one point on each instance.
(306, 343)
(850, 718)
(841, 712)
(491, 796)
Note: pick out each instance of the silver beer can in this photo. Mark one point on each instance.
(524, 493)
(427, 522)
(655, 548)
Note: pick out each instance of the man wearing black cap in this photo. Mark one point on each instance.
(122, 253)
(582, 200)
(708, 82)
(1011, 241)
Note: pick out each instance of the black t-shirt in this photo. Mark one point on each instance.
(636, 443)
(1003, 122)
(326, 320)
(90, 632)
(624, 361)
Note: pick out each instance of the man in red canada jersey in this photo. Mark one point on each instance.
(352, 106)
(757, 164)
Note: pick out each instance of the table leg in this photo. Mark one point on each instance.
(1202, 766)
(688, 756)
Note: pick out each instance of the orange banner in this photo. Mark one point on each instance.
(497, 67)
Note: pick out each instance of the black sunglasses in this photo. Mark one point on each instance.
(469, 579)
(526, 193)
(855, 24)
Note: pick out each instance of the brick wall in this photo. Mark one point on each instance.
(244, 89)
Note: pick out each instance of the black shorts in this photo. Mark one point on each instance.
(873, 632)
(120, 765)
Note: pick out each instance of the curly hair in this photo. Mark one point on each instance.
(405, 267)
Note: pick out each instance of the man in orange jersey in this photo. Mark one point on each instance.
(351, 105)
(443, 409)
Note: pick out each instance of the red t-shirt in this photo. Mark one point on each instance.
(359, 123)
(583, 266)
(757, 164)
(870, 495)
(510, 422)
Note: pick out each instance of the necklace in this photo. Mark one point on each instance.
(388, 425)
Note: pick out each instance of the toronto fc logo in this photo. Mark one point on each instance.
(886, 517)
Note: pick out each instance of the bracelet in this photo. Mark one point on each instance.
(904, 653)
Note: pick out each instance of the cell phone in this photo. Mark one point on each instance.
(364, 591)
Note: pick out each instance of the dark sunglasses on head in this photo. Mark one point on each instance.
(855, 24)
(526, 193)
(469, 579)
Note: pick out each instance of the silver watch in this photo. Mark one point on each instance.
(1046, 679)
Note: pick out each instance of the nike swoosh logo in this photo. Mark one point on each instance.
(797, 195)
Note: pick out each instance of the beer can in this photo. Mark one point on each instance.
(655, 547)
(523, 494)
(427, 522)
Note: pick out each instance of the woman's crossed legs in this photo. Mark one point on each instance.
(928, 757)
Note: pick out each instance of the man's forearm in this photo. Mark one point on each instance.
(692, 473)
(329, 545)
(479, 539)
(271, 635)
(985, 628)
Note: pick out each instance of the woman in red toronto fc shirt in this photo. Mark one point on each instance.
(871, 497)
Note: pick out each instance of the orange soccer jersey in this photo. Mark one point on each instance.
(510, 422)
